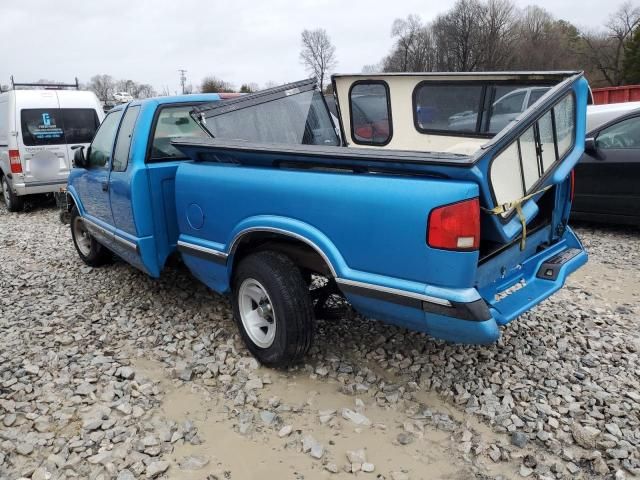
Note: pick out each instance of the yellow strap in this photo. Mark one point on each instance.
(517, 204)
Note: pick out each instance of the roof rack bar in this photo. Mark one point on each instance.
(54, 86)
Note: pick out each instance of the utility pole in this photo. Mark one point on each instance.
(183, 78)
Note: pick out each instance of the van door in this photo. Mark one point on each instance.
(41, 141)
(82, 115)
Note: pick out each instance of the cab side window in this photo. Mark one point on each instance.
(102, 145)
(123, 143)
(622, 135)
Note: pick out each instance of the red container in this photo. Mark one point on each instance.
(626, 93)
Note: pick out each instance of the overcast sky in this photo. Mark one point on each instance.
(241, 41)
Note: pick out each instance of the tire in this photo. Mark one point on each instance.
(90, 251)
(12, 202)
(285, 310)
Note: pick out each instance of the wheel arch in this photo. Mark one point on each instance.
(304, 252)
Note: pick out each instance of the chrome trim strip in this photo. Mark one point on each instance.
(91, 223)
(208, 251)
(395, 291)
(236, 239)
(45, 184)
(123, 241)
(126, 242)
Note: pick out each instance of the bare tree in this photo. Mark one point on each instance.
(605, 50)
(144, 90)
(215, 85)
(318, 54)
(459, 36)
(249, 87)
(499, 34)
(103, 86)
(372, 68)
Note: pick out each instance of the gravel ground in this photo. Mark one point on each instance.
(105, 373)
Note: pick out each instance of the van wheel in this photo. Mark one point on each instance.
(272, 308)
(90, 251)
(13, 202)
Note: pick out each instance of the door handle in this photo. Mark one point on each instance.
(105, 186)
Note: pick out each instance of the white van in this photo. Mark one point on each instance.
(38, 132)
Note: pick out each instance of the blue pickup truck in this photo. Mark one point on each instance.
(446, 227)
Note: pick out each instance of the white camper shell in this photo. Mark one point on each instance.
(38, 132)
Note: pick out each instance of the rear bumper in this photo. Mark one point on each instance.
(469, 315)
(29, 188)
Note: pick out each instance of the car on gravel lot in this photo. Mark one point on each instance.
(38, 131)
(607, 186)
(453, 233)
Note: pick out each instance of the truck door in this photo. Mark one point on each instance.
(94, 181)
(121, 180)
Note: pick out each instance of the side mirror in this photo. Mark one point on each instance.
(590, 147)
(79, 160)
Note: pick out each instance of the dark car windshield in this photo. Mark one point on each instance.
(58, 126)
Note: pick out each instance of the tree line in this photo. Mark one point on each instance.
(484, 35)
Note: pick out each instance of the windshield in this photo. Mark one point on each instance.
(293, 117)
(58, 126)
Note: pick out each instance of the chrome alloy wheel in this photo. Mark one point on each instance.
(256, 313)
(82, 236)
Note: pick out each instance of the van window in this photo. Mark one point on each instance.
(58, 126)
(123, 143)
(370, 113)
(102, 145)
(173, 122)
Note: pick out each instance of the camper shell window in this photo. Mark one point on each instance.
(370, 108)
(535, 152)
(481, 108)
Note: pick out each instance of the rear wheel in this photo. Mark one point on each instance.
(90, 251)
(272, 308)
(13, 202)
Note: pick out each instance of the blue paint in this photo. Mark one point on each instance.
(371, 228)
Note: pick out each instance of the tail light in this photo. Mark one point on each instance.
(573, 185)
(14, 161)
(455, 226)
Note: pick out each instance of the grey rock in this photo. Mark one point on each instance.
(9, 419)
(156, 468)
(585, 436)
(267, 417)
(193, 462)
(519, 439)
(126, 475)
(355, 417)
(127, 373)
(405, 438)
(24, 448)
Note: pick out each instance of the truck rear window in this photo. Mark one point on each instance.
(173, 122)
(58, 126)
(295, 117)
